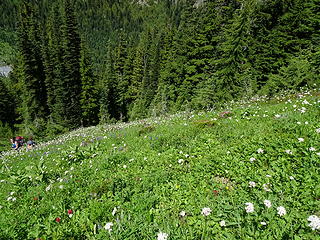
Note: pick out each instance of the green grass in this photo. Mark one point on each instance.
(154, 169)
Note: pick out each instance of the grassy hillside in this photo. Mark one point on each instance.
(203, 175)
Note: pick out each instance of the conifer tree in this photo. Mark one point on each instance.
(166, 92)
(7, 101)
(122, 83)
(108, 93)
(71, 76)
(89, 93)
(52, 55)
(146, 74)
(33, 76)
(234, 51)
(135, 85)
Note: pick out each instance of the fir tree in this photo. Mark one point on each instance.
(71, 76)
(108, 93)
(89, 93)
(33, 76)
(7, 104)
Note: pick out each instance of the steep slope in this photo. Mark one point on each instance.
(205, 175)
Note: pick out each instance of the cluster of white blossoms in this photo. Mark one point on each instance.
(182, 213)
(249, 207)
(312, 149)
(180, 161)
(260, 150)
(162, 236)
(206, 211)
(11, 197)
(108, 226)
(281, 211)
(314, 222)
(222, 223)
(252, 184)
(267, 203)
(289, 152)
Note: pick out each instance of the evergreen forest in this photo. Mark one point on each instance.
(85, 62)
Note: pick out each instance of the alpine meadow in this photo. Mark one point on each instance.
(160, 119)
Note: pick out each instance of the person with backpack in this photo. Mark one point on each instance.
(19, 142)
(30, 143)
(13, 143)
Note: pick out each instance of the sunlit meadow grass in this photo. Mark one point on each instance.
(249, 171)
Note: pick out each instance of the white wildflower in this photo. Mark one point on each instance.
(298, 123)
(162, 236)
(305, 102)
(314, 222)
(281, 211)
(291, 178)
(260, 150)
(252, 159)
(263, 223)
(182, 213)
(249, 207)
(61, 186)
(267, 203)
(303, 110)
(206, 211)
(312, 149)
(288, 151)
(268, 176)
(306, 123)
(300, 139)
(108, 226)
(48, 188)
(252, 184)
(222, 223)
(114, 211)
(318, 130)
(180, 161)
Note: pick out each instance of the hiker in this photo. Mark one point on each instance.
(19, 142)
(14, 143)
(30, 143)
